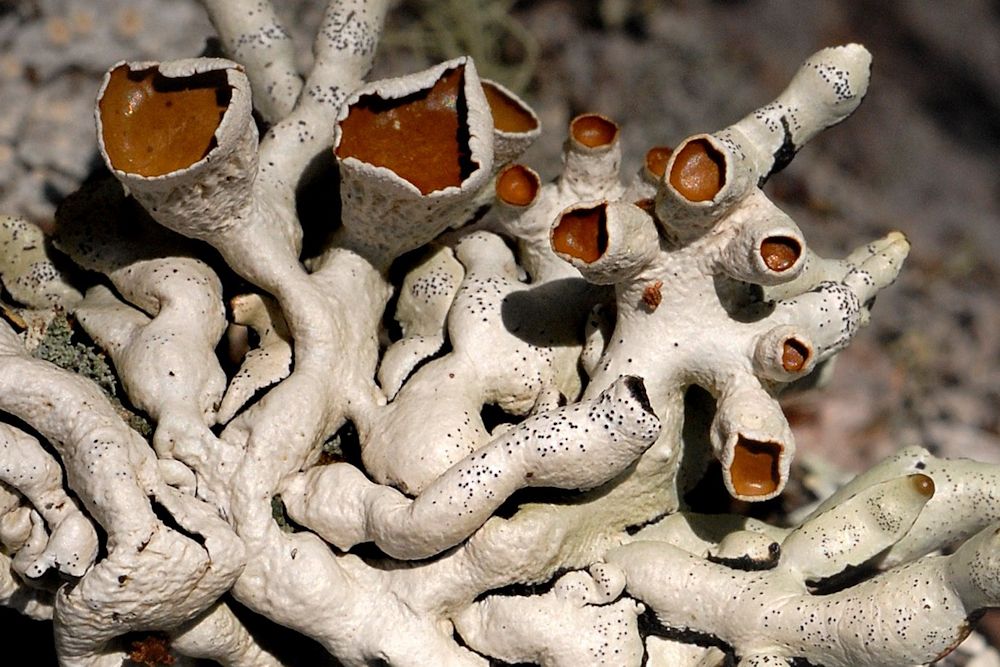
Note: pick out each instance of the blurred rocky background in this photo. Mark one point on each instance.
(920, 155)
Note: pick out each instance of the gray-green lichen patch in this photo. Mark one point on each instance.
(280, 515)
(61, 346)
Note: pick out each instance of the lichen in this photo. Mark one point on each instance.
(63, 345)
(354, 485)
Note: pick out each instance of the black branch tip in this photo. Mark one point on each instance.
(637, 388)
(784, 154)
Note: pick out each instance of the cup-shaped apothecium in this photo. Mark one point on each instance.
(517, 187)
(654, 165)
(153, 124)
(515, 125)
(698, 172)
(753, 442)
(581, 234)
(606, 242)
(767, 248)
(593, 131)
(784, 354)
(181, 138)
(704, 178)
(413, 153)
(417, 137)
(592, 157)
(647, 181)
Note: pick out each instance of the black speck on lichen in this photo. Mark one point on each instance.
(61, 346)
